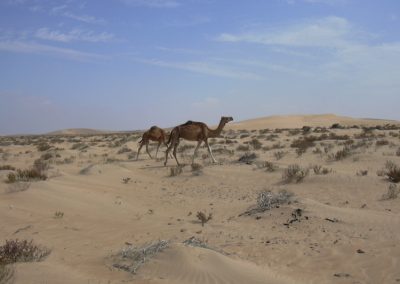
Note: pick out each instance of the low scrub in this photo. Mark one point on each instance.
(248, 158)
(294, 173)
(175, 171)
(392, 192)
(21, 251)
(266, 200)
(341, 154)
(7, 168)
(25, 175)
(392, 172)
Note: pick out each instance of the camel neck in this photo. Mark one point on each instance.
(216, 132)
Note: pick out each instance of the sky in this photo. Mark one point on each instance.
(131, 64)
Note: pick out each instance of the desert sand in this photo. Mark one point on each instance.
(98, 200)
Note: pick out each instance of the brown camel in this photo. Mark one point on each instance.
(194, 131)
(155, 133)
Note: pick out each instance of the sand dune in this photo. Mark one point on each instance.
(346, 233)
(298, 121)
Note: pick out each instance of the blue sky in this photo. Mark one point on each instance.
(130, 64)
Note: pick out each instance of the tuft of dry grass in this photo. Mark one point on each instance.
(175, 171)
(131, 258)
(7, 168)
(392, 172)
(6, 274)
(392, 192)
(266, 200)
(294, 173)
(248, 158)
(21, 251)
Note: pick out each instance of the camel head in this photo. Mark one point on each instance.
(226, 119)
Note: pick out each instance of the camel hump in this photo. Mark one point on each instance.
(189, 122)
(154, 127)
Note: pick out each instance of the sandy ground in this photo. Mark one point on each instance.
(346, 233)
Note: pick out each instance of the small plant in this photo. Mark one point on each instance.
(256, 144)
(43, 147)
(25, 175)
(203, 217)
(294, 173)
(175, 171)
(21, 251)
(269, 166)
(279, 154)
(243, 148)
(393, 173)
(124, 150)
(266, 200)
(6, 274)
(392, 192)
(7, 168)
(362, 173)
(126, 180)
(341, 154)
(398, 152)
(58, 215)
(248, 158)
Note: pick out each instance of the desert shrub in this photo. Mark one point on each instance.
(203, 217)
(43, 147)
(319, 170)
(336, 126)
(244, 136)
(398, 152)
(21, 251)
(25, 175)
(175, 171)
(79, 146)
(266, 200)
(7, 168)
(279, 154)
(362, 173)
(46, 156)
(256, 144)
(58, 215)
(6, 274)
(306, 129)
(294, 132)
(381, 143)
(196, 168)
(270, 167)
(340, 154)
(294, 173)
(300, 151)
(248, 158)
(244, 148)
(392, 172)
(304, 142)
(131, 258)
(392, 192)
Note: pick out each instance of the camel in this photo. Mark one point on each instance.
(155, 133)
(194, 131)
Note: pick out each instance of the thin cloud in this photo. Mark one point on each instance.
(36, 48)
(206, 68)
(209, 102)
(327, 32)
(73, 35)
(84, 18)
(153, 3)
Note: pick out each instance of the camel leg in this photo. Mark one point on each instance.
(195, 150)
(147, 150)
(169, 148)
(176, 147)
(209, 150)
(140, 147)
(166, 145)
(158, 147)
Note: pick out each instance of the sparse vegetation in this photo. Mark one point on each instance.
(392, 172)
(131, 258)
(43, 147)
(7, 168)
(279, 154)
(340, 154)
(196, 168)
(21, 251)
(175, 171)
(319, 170)
(269, 166)
(203, 217)
(266, 200)
(25, 175)
(294, 173)
(256, 144)
(392, 192)
(244, 148)
(58, 215)
(248, 158)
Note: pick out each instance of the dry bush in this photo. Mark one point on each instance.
(392, 172)
(381, 143)
(43, 147)
(131, 258)
(203, 217)
(175, 171)
(46, 156)
(248, 158)
(7, 168)
(256, 144)
(269, 166)
(21, 251)
(25, 175)
(398, 152)
(197, 169)
(392, 192)
(362, 173)
(294, 173)
(79, 146)
(341, 154)
(304, 143)
(279, 155)
(266, 200)
(319, 170)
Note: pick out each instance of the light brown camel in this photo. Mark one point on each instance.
(194, 131)
(155, 133)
